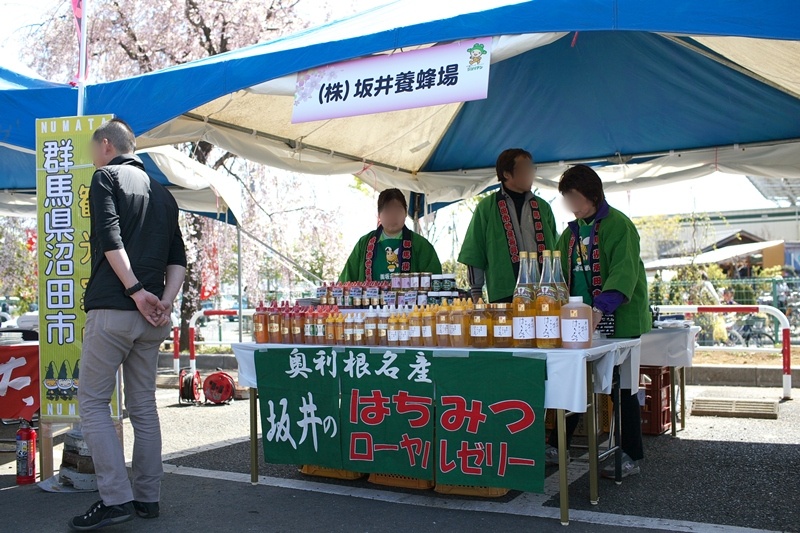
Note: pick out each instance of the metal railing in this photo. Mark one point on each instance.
(786, 347)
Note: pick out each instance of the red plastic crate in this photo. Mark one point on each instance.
(656, 411)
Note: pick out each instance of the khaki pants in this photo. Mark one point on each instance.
(113, 338)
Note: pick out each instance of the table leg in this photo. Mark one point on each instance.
(673, 411)
(561, 425)
(591, 432)
(615, 390)
(46, 450)
(683, 397)
(253, 436)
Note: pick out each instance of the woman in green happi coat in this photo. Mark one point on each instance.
(603, 265)
(392, 247)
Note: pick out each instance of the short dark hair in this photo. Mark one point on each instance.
(391, 194)
(506, 161)
(583, 179)
(119, 135)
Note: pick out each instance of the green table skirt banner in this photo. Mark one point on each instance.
(458, 417)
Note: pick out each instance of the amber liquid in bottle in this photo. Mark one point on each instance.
(548, 309)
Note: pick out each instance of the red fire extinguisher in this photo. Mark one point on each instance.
(26, 454)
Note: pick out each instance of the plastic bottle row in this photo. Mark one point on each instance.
(461, 325)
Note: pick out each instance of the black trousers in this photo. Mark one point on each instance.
(631, 426)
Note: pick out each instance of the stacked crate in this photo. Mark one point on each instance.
(656, 411)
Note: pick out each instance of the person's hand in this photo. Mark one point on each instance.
(166, 310)
(149, 306)
(597, 316)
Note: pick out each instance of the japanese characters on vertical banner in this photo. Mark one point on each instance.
(387, 412)
(300, 407)
(19, 387)
(63, 174)
(453, 417)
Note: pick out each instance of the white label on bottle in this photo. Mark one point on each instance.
(383, 325)
(455, 330)
(524, 328)
(427, 332)
(502, 332)
(370, 326)
(547, 327)
(394, 335)
(442, 329)
(348, 331)
(404, 335)
(479, 331)
(414, 331)
(575, 330)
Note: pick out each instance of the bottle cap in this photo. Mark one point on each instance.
(576, 299)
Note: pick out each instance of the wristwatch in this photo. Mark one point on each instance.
(133, 290)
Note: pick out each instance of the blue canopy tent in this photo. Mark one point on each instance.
(23, 99)
(649, 92)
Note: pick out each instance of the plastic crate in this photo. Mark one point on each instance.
(405, 482)
(656, 423)
(464, 490)
(656, 412)
(334, 473)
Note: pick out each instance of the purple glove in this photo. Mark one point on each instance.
(609, 301)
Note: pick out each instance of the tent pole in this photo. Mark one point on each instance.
(239, 276)
(82, 59)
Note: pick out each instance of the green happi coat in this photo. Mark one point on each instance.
(423, 257)
(621, 269)
(486, 245)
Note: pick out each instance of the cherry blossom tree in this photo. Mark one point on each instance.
(130, 37)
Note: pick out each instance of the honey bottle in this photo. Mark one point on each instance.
(415, 327)
(502, 325)
(458, 337)
(481, 331)
(548, 308)
(404, 333)
(319, 326)
(558, 279)
(348, 330)
(383, 326)
(338, 334)
(443, 325)
(330, 329)
(524, 322)
(358, 330)
(260, 324)
(576, 324)
(298, 328)
(393, 333)
(428, 327)
(274, 324)
(371, 327)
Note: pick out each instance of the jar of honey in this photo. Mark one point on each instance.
(502, 325)
(480, 328)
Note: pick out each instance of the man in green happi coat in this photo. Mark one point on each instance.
(504, 224)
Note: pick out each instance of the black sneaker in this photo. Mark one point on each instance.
(146, 509)
(99, 515)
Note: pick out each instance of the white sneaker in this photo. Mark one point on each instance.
(551, 455)
(629, 468)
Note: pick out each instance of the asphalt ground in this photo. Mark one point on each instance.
(717, 475)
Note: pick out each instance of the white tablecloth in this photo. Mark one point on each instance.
(566, 369)
(669, 347)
